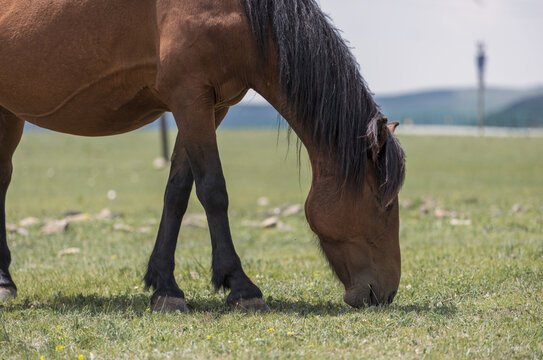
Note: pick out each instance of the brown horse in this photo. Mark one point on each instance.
(101, 67)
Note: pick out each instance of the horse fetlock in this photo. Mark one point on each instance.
(226, 274)
(5, 278)
(221, 280)
(156, 279)
(150, 279)
(168, 304)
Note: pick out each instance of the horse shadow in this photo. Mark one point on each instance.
(92, 304)
(138, 305)
(302, 308)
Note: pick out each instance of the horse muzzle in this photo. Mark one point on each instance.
(368, 295)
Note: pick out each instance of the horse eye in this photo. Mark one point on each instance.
(389, 207)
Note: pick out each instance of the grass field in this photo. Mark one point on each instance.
(473, 290)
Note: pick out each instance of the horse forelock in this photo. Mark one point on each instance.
(321, 81)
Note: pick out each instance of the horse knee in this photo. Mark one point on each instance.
(177, 192)
(213, 195)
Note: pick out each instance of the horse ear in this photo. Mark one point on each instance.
(382, 133)
(393, 125)
(377, 134)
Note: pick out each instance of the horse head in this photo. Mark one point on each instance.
(358, 229)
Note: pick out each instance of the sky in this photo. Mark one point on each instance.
(410, 45)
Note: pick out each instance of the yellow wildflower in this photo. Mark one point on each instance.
(270, 330)
(209, 337)
(80, 357)
(59, 348)
(290, 333)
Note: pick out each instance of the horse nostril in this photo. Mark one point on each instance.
(373, 296)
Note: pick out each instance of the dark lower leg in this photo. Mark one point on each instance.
(5, 255)
(160, 271)
(10, 133)
(227, 269)
(197, 124)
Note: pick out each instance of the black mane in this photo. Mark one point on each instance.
(321, 81)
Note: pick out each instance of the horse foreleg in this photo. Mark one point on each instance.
(11, 129)
(168, 297)
(197, 124)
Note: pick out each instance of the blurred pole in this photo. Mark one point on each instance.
(164, 138)
(481, 62)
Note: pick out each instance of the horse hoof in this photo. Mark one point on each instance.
(7, 293)
(169, 304)
(249, 305)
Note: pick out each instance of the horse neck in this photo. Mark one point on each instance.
(268, 86)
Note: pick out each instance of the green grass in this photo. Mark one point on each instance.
(466, 291)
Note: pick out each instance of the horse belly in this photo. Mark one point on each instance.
(87, 117)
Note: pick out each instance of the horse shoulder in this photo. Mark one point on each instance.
(202, 49)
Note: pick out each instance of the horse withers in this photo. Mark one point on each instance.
(99, 67)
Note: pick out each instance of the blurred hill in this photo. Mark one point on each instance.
(525, 113)
(504, 107)
(459, 107)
